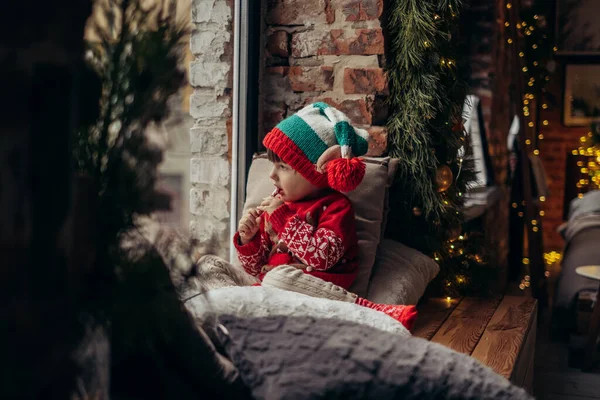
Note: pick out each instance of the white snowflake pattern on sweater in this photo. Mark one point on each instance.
(320, 249)
(253, 262)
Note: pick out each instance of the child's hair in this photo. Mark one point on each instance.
(272, 156)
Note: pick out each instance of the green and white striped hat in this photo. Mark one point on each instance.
(319, 134)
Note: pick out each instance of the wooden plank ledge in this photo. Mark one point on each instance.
(464, 327)
(499, 332)
(431, 315)
(506, 337)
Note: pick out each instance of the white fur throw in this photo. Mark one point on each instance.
(258, 301)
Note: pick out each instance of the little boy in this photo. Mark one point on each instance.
(303, 237)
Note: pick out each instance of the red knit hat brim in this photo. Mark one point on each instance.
(290, 153)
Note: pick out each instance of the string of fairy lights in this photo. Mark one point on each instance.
(537, 56)
(589, 165)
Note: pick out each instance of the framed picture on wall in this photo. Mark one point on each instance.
(578, 27)
(581, 102)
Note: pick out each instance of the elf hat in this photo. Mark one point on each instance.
(320, 143)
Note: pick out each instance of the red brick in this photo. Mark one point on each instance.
(272, 115)
(281, 71)
(365, 81)
(305, 79)
(329, 12)
(358, 110)
(380, 111)
(362, 10)
(310, 79)
(278, 44)
(337, 42)
(378, 143)
(229, 126)
(294, 12)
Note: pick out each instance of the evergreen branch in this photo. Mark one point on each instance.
(115, 53)
(425, 129)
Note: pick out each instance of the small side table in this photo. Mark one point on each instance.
(591, 272)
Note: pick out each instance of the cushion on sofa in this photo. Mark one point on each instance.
(367, 199)
(400, 274)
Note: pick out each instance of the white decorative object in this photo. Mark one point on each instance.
(589, 271)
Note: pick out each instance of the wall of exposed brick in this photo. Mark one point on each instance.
(333, 51)
(558, 139)
(558, 142)
(210, 106)
(325, 50)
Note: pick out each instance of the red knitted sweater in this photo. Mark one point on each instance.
(319, 233)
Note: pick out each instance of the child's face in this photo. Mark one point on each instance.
(291, 185)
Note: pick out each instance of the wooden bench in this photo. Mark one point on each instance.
(499, 332)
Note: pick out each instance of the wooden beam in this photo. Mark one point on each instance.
(463, 328)
(526, 353)
(504, 338)
(528, 379)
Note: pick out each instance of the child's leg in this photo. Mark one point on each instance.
(213, 272)
(295, 280)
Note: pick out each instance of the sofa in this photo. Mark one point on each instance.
(265, 343)
(582, 238)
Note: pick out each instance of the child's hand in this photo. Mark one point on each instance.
(249, 225)
(270, 204)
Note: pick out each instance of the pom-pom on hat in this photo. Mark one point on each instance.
(320, 143)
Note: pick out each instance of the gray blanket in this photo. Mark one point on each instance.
(307, 358)
(584, 213)
(580, 223)
(589, 203)
(582, 235)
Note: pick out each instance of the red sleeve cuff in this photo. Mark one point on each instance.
(249, 248)
(279, 217)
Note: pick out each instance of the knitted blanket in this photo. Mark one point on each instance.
(308, 358)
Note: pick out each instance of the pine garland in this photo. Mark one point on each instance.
(425, 133)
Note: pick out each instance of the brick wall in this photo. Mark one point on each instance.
(333, 51)
(325, 50)
(558, 142)
(558, 139)
(210, 106)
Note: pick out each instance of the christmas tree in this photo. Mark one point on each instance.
(426, 133)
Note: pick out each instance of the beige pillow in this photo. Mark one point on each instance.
(400, 274)
(368, 201)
